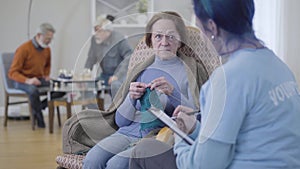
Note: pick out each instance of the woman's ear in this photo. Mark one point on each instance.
(212, 26)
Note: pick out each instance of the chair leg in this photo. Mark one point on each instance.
(100, 102)
(51, 115)
(58, 116)
(69, 110)
(6, 110)
(32, 117)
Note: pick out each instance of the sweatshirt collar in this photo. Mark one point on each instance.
(36, 44)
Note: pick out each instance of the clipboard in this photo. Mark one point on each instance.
(170, 123)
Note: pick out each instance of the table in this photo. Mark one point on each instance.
(78, 92)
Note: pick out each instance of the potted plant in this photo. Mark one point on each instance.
(142, 8)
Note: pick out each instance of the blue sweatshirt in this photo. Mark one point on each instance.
(250, 111)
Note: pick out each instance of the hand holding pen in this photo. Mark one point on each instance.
(185, 118)
(195, 113)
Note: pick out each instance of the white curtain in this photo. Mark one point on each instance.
(268, 24)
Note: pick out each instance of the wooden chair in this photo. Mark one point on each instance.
(197, 46)
(9, 90)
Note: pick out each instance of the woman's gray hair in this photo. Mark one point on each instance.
(44, 28)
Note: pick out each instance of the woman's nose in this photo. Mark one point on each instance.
(164, 40)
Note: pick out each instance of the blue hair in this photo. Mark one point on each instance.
(234, 16)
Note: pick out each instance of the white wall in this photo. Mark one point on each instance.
(71, 18)
(183, 7)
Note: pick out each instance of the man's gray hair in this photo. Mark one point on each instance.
(104, 23)
(45, 27)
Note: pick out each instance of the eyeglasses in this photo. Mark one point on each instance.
(170, 38)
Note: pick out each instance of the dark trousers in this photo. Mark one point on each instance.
(34, 96)
(152, 154)
(105, 78)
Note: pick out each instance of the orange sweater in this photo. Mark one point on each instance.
(29, 62)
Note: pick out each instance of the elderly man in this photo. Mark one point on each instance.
(110, 49)
(30, 69)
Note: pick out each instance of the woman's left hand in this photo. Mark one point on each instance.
(162, 85)
(137, 90)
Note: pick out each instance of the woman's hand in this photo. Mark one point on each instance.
(162, 85)
(185, 122)
(181, 108)
(137, 89)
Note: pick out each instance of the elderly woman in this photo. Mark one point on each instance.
(170, 76)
